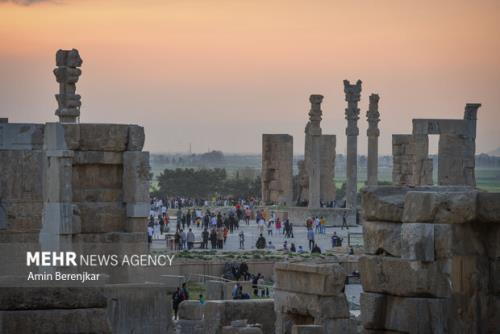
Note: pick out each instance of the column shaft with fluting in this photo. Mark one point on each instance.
(352, 96)
(313, 130)
(373, 132)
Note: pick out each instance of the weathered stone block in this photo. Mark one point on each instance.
(382, 237)
(103, 137)
(469, 275)
(97, 177)
(488, 207)
(136, 177)
(221, 313)
(307, 329)
(417, 242)
(21, 176)
(460, 239)
(23, 216)
(384, 203)
(21, 136)
(97, 195)
(493, 241)
(190, 326)
(139, 308)
(405, 278)
(100, 217)
(310, 278)
(277, 168)
(136, 224)
(138, 210)
(82, 320)
(440, 207)
(136, 138)
(97, 157)
(71, 136)
(407, 315)
(347, 326)
(36, 298)
(191, 310)
(329, 307)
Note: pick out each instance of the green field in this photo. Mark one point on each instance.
(486, 178)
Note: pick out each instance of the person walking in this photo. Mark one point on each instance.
(242, 240)
(176, 300)
(213, 238)
(150, 234)
(270, 228)
(248, 214)
(204, 238)
(310, 238)
(183, 239)
(220, 237)
(278, 225)
(344, 221)
(322, 225)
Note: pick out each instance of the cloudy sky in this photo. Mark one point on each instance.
(219, 73)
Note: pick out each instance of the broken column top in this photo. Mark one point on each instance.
(373, 116)
(67, 74)
(315, 112)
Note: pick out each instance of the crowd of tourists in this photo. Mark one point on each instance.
(215, 225)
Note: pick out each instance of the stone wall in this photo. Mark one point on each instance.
(456, 152)
(403, 157)
(432, 258)
(139, 308)
(81, 187)
(53, 310)
(277, 169)
(211, 317)
(310, 293)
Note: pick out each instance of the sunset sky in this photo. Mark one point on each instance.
(219, 73)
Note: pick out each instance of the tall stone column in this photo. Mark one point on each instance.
(352, 96)
(373, 132)
(313, 130)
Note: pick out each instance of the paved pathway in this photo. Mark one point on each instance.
(251, 234)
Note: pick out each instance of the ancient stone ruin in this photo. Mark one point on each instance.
(67, 74)
(311, 294)
(432, 259)
(75, 187)
(319, 160)
(277, 169)
(352, 96)
(456, 152)
(373, 132)
(216, 316)
(316, 172)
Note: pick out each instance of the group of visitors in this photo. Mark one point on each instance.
(217, 225)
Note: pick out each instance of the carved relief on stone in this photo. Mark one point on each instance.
(352, 92)
(352, 96)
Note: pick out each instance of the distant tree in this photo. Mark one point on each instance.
(204, 183)
(341, 192)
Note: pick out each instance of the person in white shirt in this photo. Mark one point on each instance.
(150, 234)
